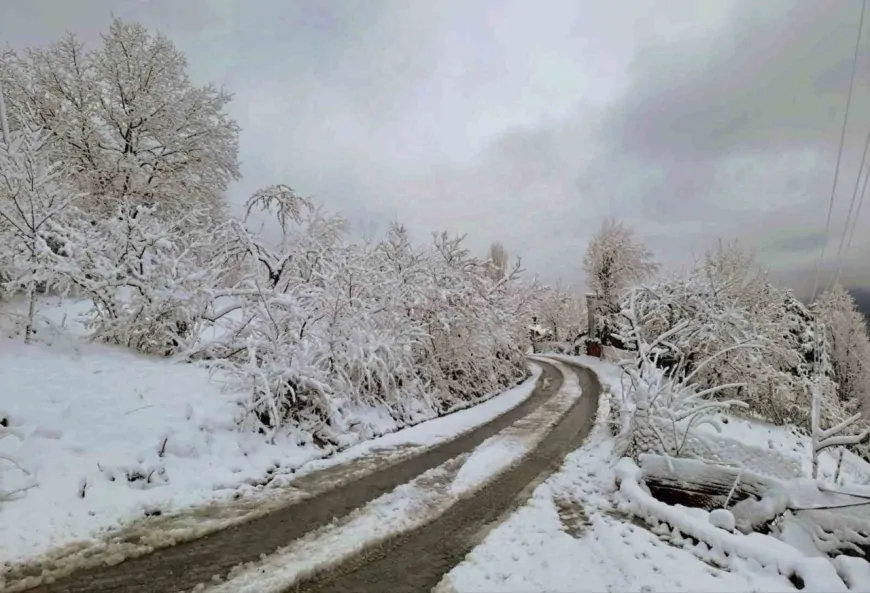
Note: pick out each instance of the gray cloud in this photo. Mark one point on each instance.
(746, 123)
(528, 123)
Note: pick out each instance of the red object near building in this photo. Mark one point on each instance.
(593, 349)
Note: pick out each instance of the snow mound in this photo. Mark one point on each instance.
(723, 519)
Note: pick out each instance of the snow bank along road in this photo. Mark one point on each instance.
(182, 567)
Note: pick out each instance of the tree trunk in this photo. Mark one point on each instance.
(31, 312)
(693, 483)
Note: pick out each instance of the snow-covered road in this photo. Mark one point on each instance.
(200, 560)
(409, 538)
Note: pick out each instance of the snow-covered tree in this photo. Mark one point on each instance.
(126, 121)
(615, 260)
(735, 276)
(846, 331)
(33, 202)
(562, 311)
(498, 259)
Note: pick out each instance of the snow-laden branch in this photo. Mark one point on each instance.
(126, 120)
(662, 408)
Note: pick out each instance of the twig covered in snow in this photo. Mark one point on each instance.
(660, 409)
(832, 437)
(6, 431)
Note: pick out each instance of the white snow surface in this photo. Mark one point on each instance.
(110, 436)
(762, 447)
(408, 506)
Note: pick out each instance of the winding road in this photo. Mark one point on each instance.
(415, 561)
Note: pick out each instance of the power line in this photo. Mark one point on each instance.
(846, 227)
(857, 214)
(854, 226)
(840, 149)
(854, 197)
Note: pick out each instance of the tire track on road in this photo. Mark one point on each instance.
(416, 561)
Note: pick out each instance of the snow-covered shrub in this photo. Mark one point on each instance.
(659, 408)
(270, 316)
(150, 279)
(472, 324)
(317, 327)
(794, 359)
(727, 301)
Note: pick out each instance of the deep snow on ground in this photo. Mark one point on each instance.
(111, 436)
(783, 446)
(575, 534)
(408, 506)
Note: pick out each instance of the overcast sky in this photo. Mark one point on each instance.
(528, 121)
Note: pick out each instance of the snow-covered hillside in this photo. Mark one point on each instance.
(112, 438)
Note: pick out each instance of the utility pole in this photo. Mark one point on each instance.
(4, 123)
